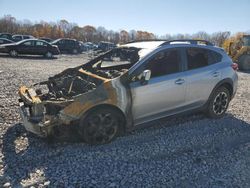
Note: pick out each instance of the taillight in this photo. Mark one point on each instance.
(234, 66)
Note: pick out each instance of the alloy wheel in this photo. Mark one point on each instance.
(74, 51)
(101, 128)
(49, 55)
(13, 53)
(220, 103)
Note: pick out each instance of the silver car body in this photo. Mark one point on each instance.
(161, 96)
(165, 95)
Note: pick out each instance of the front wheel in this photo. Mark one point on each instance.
(49, 55)
(13, 53)
(74, 51)
(218, 103)
(101, 126)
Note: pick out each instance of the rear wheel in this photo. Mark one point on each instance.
(13, 53)
(244, 62)
(218, 103)
(101, 126)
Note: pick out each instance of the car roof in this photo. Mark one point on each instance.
(6, 39)
(5, 34)
(150, 45)
(34, 39)
(144, 44)
(67, 39)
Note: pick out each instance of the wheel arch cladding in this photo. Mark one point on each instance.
(227, 83)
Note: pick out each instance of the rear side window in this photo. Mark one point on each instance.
(40, 43)
(198, 57)
(17, 37)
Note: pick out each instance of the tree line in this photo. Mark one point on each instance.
(89, 33)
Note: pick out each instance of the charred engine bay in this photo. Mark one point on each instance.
(72, 82)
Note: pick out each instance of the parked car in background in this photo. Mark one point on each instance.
(18, 38)
(5, 41)
(88, 46)
(105, 46)
(46, 39)
(6, 36)
(68, 45)
(135, 83)
(31, 47)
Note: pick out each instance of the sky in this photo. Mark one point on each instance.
(156, 16)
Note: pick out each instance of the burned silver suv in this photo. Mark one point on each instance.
(130, 85)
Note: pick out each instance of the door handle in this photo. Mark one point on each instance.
(179, 81)
(216, 74)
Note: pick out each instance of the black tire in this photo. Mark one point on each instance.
(244, 62)
(13, 53)
(48, 55)
(101, 126)
(218, 103)
(74, 51)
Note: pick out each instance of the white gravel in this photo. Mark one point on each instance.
(190, 151)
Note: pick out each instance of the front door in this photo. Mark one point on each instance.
(165, 91)
(40, 48)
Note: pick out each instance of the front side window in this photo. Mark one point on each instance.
(164, 63)
(61, 42)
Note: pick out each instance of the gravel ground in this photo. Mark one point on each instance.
(191, 151)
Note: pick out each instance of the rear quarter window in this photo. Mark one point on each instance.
(215, 57)
(200, 57)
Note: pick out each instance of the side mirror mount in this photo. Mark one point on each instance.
(146, 74)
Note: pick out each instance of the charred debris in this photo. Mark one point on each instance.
(87, 77)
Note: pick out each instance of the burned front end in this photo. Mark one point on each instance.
(40, 108)
(65, 98)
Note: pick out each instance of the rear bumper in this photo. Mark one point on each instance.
(235, 85)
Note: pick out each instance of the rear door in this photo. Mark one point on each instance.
(26, 47)
(165, 91)
(202, 74)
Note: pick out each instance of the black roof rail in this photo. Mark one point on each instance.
(191, 41)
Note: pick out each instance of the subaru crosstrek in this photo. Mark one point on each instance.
(129, 85)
